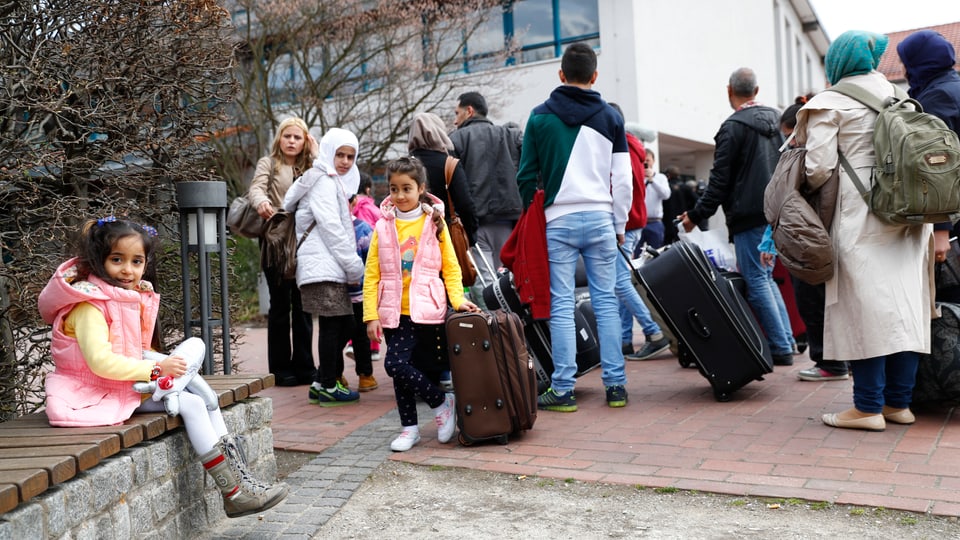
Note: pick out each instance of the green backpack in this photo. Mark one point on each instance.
(917, 175)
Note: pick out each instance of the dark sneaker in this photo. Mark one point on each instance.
(783, 359)
(552, 401)
(339, 396)
(627, 348)
(616, 396)
(817, 374)
(650, 349)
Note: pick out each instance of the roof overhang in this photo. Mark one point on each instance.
(811, 26)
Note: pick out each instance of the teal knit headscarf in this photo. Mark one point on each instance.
(855, 52)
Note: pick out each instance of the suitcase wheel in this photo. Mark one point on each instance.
(683, 356)
(456, 348)
(502, 440)
(722, 397)
(464, 440)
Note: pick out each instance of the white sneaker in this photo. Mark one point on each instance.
(446, 417)
(349, 351)
(405, 441)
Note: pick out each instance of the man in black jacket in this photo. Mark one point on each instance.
(745, 155)
(490, 155)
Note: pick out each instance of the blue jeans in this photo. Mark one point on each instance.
(631, 303)
(590, 235)
(884, 380)
(762, 292)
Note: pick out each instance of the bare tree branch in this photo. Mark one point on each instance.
(104, 105)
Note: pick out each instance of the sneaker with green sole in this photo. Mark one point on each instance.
(552, 401)
(616, 396)
(339, 396)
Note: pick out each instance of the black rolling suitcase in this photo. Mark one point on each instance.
(502, 294)
(711, 320)
(493, 375)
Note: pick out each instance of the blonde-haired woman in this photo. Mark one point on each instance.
(291, 153)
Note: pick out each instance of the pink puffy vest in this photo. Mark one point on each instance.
(75, 395)
(428, 295)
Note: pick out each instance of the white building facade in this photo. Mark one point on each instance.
(667, 63)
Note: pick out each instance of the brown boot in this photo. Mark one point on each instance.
(367, 383)
(242, 495)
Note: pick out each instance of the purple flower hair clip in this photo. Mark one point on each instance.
(151, 231)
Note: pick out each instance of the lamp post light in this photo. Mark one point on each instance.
(203, 218)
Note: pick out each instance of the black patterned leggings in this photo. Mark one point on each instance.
(415, 353)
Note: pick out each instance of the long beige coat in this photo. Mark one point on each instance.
(879, 300)
(262, 190)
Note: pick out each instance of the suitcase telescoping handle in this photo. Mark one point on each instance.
(486, 264)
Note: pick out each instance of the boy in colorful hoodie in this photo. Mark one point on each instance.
(575, 143)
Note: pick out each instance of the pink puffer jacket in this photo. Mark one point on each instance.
(428, 296)
(75, 395)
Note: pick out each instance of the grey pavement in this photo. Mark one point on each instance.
(321, 487)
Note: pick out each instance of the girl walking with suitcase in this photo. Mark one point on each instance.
(404, 297)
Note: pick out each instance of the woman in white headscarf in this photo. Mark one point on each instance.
(327, 258)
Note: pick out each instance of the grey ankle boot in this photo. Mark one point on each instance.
(233, 450)
(242, 495)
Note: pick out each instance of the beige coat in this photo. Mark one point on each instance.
(259, 191)
(879, 300)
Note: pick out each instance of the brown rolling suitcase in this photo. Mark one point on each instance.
(493, 375)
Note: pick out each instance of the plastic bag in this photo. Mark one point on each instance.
(715, 245)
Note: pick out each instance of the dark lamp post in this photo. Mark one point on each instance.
(203, 217)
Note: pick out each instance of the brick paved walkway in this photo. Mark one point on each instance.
(767, 441)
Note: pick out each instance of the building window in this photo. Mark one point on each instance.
(542, 28)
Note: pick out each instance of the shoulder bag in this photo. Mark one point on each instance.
(242, 217)
(458, 235)
(280, 243)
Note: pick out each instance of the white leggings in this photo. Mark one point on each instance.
(204, 428)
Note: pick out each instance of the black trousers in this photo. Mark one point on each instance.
(361, 343)
(810, 303)
(286, 358)
(334, 333)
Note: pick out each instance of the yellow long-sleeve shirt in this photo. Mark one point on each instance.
(408, 235)
(87, 324)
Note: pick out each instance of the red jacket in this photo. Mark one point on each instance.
(637, 218)
(525, 254)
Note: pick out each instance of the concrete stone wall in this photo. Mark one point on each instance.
(157, 489)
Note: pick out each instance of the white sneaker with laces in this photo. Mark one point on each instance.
(405, 441)
(446, 417)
